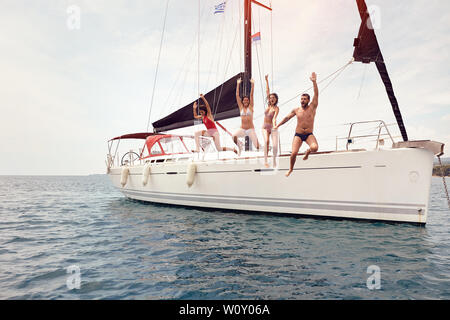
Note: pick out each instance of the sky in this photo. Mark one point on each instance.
(74, 74)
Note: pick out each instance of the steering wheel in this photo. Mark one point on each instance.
(134, 157)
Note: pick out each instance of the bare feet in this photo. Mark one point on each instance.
(266, 165)
(288, 173)
(307, 154)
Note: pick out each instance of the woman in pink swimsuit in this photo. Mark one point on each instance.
(211, 129)
(270, 121)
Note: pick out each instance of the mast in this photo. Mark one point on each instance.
(247, 46)
(222, 98)
(248, 43)
(367, 50)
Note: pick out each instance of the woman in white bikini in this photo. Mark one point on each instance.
(270, 121)
(246, 108)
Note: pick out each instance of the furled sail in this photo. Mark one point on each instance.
(221, 99)
(367, 50)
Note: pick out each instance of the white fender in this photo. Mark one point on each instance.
(109, 163)
(124, 176)
(191, 170)
(146, 174)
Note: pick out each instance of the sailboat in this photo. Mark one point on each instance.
(382, 184)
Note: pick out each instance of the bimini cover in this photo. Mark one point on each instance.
(367, 50)
(221, 99)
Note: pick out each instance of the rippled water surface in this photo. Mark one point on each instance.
(131, 250)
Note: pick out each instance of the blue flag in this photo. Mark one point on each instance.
(256, 37)
(220, 8)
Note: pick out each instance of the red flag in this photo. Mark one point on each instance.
(256, 36)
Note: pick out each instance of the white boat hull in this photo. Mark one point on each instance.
(388, 185)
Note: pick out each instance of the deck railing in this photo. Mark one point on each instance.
(381, 125)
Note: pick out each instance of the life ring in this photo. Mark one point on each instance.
(146, 174)
(191, 170)
(124, 176)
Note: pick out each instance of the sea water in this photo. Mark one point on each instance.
(77, 237)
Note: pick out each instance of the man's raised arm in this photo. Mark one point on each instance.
(315, 100)
(286, 119)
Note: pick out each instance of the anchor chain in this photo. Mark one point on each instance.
(443, 180)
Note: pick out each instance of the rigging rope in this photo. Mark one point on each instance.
(220, 54)
(174, 100)
(260, 42)
(198, 51)
(362, 81)
(225, 73)
(262, 61)
(217, 49)
(271, 44)
(241, 64)
(443, 180)
(224, 129)
(183, 68)
(157, 64)
(337, 73)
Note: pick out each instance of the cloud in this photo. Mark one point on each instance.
(446, 118)
(64, 93)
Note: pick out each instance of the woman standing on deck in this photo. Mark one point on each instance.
(246, 108)
(270, 116)
(211, 129)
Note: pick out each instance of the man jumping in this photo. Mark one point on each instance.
(305, 124)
